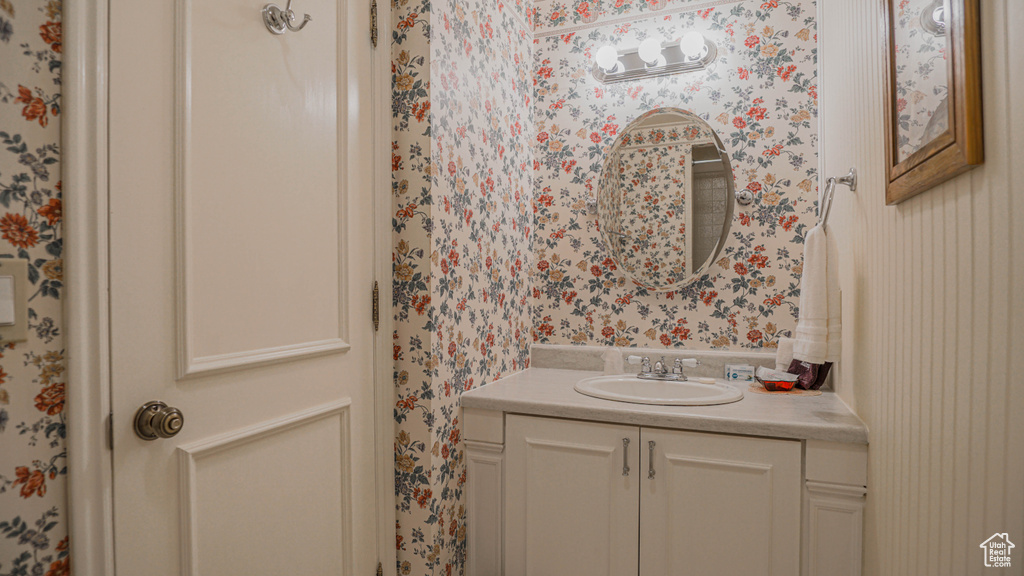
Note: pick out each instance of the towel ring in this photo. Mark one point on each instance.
(830, 191)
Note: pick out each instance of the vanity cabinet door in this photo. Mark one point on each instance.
(717, 504)
(570, 505)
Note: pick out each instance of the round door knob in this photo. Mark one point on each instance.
(158, 420)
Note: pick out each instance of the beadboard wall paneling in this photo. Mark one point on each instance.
(933, 327)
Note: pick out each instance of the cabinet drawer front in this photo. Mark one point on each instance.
(719, 505)
(569, 507)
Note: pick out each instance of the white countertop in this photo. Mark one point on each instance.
(549, 392)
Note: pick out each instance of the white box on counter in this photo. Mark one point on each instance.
(739, 372)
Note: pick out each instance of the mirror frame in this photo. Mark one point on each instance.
(730, 208)
(961, 147)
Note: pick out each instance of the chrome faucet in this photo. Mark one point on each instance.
(660, 369)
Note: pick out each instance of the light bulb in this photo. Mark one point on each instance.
(607, 58)
(650, 51)
(692, 45)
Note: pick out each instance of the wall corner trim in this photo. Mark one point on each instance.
(84, 139)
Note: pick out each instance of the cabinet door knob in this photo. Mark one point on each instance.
(625, 456)
(650, 459)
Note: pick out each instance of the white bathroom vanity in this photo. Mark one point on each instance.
(563, 483)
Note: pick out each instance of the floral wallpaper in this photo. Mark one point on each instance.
(692, 133)
(462, 230)
(760, 96)
(922, 85)
(33, 468)
(418, 510)
(554, 14)
(648, 234)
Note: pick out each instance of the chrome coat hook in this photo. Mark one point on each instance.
(278, 21)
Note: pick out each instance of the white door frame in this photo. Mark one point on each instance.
(86, 308)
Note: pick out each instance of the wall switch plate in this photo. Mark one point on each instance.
(14, 288)
(6, 300)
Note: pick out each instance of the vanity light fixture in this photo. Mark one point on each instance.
(654, 58)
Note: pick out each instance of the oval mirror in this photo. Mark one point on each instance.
(665, 199)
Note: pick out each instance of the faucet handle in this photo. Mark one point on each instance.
(645, 365)
(660, 366)
(688, 362)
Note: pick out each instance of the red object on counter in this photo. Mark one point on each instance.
(777, 385)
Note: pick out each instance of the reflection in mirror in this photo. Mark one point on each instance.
(665, 199)
(921, 72)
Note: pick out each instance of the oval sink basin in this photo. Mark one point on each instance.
(636, 391)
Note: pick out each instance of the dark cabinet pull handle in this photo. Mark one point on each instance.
(650, 460)
(625, 456)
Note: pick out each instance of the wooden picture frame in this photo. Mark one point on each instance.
(960, 146)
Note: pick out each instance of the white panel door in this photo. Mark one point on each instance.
(716, 504)
(571, 498)
(240, 278)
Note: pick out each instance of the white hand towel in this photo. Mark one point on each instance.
(835, 301)
(819, 328)
(784, 354)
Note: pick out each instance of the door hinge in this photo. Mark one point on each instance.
(110, 431)
(373, 23)
(376, 306)
(380, 569)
